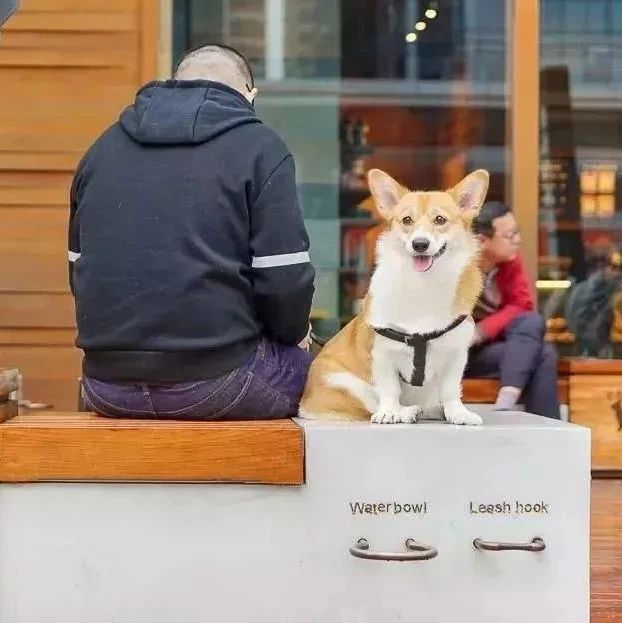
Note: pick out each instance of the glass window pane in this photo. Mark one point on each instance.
(580, 210)
(417, 88)
(552, 15)
(575, 16)
(596, 18)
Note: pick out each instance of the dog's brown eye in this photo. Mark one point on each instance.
(439, 220)
(407, 220)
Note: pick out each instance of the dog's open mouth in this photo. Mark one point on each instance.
(423, 263)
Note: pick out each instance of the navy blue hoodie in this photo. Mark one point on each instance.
(186, 240)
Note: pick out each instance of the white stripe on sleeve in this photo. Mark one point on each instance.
(73, 256)
(286, 259)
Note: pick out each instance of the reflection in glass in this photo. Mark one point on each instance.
(580, 212)
(414, 87)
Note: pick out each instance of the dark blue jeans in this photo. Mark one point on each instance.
(521, 359)
(269, 386)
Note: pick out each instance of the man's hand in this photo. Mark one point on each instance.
(306, 343)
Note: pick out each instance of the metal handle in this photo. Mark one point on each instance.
(417, 551)
(535, 545)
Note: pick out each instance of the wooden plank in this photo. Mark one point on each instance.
(484, 391)
(74, 137)
(606, 554)
(37, 337)
(41, 161)
(149, 34)
(33, 196)
(32, 57)
(101, 81)
(42, 179)
(523, 120)
(71, 21)
(596, 402)
(84, 6)
(82, 446)
(76, 41)
(165, 39)
(36, 309)
(586, 365)
(35, 272)
(40, 226)
(480, 391)
(38, 237)
(55, 362)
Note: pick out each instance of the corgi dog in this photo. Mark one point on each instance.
(406, 352)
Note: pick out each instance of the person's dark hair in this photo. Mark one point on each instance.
(484, 221)
(236, 56)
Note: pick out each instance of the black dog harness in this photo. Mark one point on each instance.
(419, 341)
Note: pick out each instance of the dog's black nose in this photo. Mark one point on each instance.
(420, 245)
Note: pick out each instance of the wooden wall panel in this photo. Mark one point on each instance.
(33, 246)
(45, 310)
(596, 402)
(67, 69)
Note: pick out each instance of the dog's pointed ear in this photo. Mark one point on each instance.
(471, 191)
(385, 191)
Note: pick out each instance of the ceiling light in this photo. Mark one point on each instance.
(420, 26)
(411, 37)
(431, 13)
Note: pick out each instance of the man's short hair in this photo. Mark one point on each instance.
(219, 63)
(484, 221)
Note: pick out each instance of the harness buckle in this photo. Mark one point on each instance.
(410, 340)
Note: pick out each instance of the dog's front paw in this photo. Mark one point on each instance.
(396, 414)
(386, 415)
(409, 415)
(457, 413)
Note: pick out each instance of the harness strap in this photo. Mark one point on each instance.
(419, 342)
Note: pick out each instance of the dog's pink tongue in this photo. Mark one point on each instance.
(422, 262)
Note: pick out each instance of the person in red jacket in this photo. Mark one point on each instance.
(509, 336)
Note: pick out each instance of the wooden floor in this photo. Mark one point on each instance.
(607, 551)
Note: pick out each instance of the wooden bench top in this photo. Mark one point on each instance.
(484, 391)
(55, 446)
(588, 365)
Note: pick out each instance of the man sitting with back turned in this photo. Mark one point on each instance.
(509, 337)
(188, 254)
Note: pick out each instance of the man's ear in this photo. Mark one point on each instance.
(471, 191)
(385, 191)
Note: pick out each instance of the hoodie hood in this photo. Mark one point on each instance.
(178, 112)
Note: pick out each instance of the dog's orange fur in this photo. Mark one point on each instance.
(348, 351)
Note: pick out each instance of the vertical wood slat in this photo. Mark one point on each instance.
(524, 123)
(149, 40)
